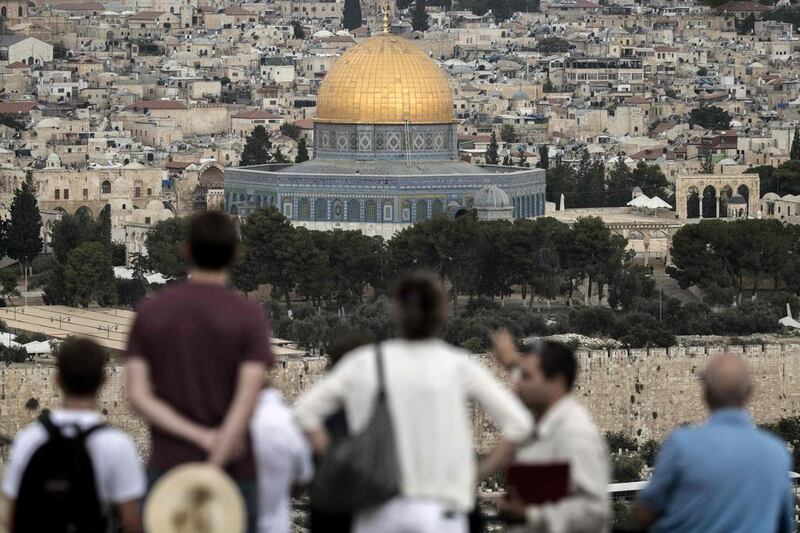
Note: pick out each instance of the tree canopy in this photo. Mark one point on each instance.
(710, 117)
(351, 18)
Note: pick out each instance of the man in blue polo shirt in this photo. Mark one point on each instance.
(725, 475)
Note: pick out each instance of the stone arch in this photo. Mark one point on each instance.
(437, 208)
(371, 211)
(421, 211)
(168, 205)
(60, 210)
(724, 199)
(354, 211)
(85, 210)
(744, 191)
(693, 203)
(635, 235)
(105, 187)
(710, 202)
(210, 174)
(337, 210)
(320, 209)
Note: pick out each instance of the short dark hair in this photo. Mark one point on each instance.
(81, 366)
(421, 305)
(343, 345)
(556, 359)
(213, 240)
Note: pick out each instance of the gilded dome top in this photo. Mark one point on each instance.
(385, 80)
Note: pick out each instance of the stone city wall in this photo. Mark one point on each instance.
(639, 392)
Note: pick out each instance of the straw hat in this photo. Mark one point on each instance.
(195, 498)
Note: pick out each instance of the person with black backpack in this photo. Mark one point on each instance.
(69, 472)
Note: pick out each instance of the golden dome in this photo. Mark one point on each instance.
(385, 80)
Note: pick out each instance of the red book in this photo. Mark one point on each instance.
(539, 482)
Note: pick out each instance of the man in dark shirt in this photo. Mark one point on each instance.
(196, 361)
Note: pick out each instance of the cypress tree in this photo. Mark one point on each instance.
(256, 148)
(419, 17)
(544, 157)
(492, 156)
(794, 154)
(23, 239)
(302, 151)
(351, 17)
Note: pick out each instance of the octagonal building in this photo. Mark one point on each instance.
(385, 152)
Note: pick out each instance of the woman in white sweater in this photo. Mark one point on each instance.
(428, 384)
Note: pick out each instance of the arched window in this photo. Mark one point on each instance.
(405, 211)
(105, 187)
(422, 211)
(354, 211)
(3, 11)
(437, 208)
(371, 210)
(320, 209)
(19, 11)
(303, 209)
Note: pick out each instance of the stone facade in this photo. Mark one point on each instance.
(639, 392)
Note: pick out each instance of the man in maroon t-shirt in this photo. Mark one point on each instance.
(197, 359)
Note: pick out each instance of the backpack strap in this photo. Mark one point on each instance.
(379, 364)
(83, 434)
(53, 432)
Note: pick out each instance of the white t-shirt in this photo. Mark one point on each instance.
(428, 386)
(119, 475)
(283, 458)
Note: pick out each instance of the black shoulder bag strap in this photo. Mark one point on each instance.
(379, 366)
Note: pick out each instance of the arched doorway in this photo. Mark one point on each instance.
(84, 212)
(437, 208)
(693, 203)
(744, 190)
(321, 209)
(304, 209)
(371, 211)
(710, 205)
(724, 200)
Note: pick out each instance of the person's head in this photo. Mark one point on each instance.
(80, 367)
(343, 345)
(546, 373)
(726, 382)
(420, 305)
(212, 242)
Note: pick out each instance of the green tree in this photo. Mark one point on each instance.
(544, 157)
(710, 117)
(23, 239)
(272, 252)
(651, 180)
(59, 50)
(278, 157)
(103, 226)
(619, 183)
(89, 275)
(8, 283)
(419, 17)
(794, 153)
(291, 130)
(256, 148)
(548, 87)
(561, 179)
(508, 134)
(351, 18)
(302, 151)
(492, 155)
(163, 243)
(299, 31)
(708, 165)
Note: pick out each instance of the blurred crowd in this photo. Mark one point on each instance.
(382, 444)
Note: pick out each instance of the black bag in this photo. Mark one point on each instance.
(57, 493)
(360, 471)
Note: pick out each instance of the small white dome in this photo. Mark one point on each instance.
(492, 197)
